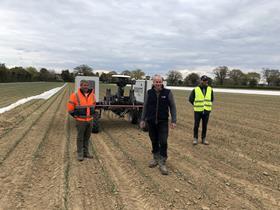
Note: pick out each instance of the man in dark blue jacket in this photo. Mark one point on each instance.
(157, 104)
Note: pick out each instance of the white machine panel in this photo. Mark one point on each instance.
(93, 84)
(140, 89)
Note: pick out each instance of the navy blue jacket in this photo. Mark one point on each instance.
(157, 105)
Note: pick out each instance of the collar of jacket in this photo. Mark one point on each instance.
(89, 91)
(162, 87)
(202, 86)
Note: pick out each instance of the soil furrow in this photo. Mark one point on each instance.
(10, 141)
(130, 185)
(19, 161)
(90, 186)
(48, 170)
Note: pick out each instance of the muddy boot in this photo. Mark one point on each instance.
(195, 141)
(88, 155)
(204, 141)
(80, 157)
(154, 162)
(162, 166)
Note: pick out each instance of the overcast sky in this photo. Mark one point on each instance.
(155, 36)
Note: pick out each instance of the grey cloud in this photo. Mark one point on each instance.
(153, 35)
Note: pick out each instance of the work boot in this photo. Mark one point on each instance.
(162, 166)
(195, 141)
(154, 162)
(204, 141)
(88, 155)
(80, 157)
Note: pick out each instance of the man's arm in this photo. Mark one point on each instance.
(144, 111)
(172, 107)
(71, 105)
(212, 96)
(191, 97)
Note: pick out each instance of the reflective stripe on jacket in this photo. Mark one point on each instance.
(81, 106)
(202, 102)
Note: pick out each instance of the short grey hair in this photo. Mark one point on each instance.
(84, 81)
(157, 76)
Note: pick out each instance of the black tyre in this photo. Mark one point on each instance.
(133, 117)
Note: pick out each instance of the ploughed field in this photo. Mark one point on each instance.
(11, 92)
(239, 169)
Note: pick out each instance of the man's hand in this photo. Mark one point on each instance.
(173, 125)
(142, 124)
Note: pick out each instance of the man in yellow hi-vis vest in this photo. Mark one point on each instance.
(201, 98)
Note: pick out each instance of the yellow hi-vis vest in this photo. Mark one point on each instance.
(202, 102)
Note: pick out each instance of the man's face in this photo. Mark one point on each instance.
(157, 82)
(84, 87)
(204, 82)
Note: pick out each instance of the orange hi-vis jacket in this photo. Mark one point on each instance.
(81, 106)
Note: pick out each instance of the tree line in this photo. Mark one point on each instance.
(31, 74)
(223, 76)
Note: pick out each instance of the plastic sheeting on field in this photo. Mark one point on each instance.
(258, 92)
(45, 95)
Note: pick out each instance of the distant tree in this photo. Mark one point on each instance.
(221, 73)
(192, 79)
(66, 76)
(173, 77)
(34, 73)
(253, 78)
(137, 74)
(4, 73)
(235, 76)
(244, 80)
(84, 70)
(180, 82)
(45, 75)
(210, 81)
(19, 74)
(126, 72)
(112, 72)
(272, 76)
(103, 77)
(53, 76)
(107, 77)
(111, 79)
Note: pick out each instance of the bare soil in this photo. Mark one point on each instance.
(239, 169)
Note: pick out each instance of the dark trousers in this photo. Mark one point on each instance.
(158, 133)
(84, 131)
(197, 117)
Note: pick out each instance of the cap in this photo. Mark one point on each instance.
(204, 78)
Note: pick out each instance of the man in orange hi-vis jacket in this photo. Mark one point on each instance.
(81, 106)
